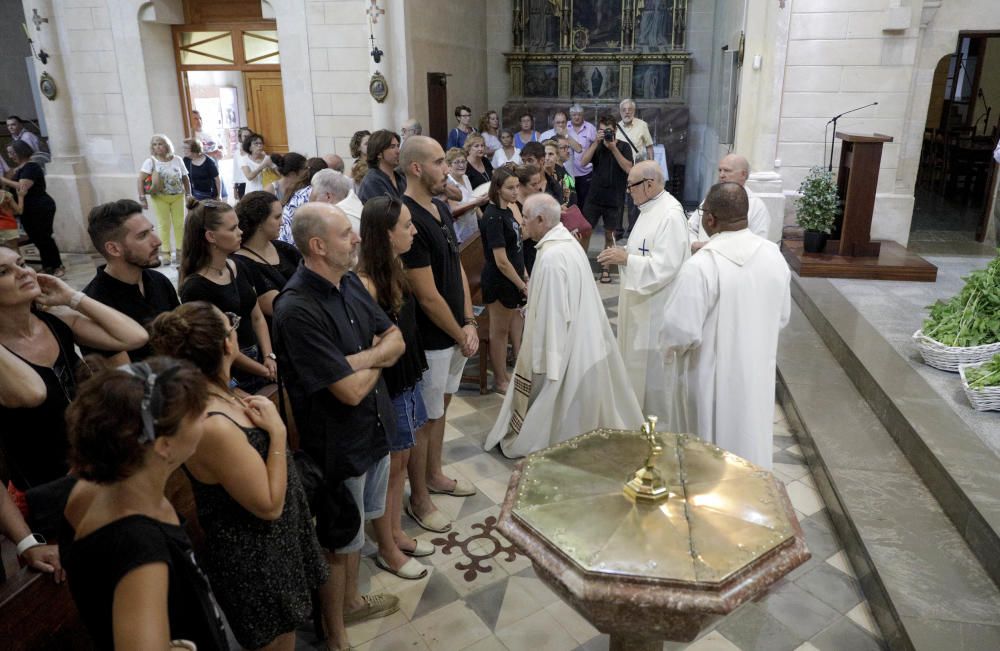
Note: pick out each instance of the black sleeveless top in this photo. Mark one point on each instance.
(410, 367)
(34, 438)
(238, 297)
(96, 563)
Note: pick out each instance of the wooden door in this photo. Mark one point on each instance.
(437, 106)
(266, 109)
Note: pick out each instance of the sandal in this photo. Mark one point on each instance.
(434, 521)
(605, 277)
(412, 570)
(420, 549)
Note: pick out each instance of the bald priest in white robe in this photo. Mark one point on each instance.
(734, 168)
(656, 249)
(721, 325)
(569, 377)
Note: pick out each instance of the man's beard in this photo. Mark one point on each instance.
(428, 182)
(142, 263)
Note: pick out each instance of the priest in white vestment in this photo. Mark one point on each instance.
(734, 168)
(656, 249)
(721, 325)
(569, 377)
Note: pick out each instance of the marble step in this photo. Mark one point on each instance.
(926, 588)
(960, 470)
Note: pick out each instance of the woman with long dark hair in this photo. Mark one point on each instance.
(131, 569)
(39, 210)
(267, 261)
(261, 551)
(212, 233)
(504, 282)
(386, 233)
(294, 175)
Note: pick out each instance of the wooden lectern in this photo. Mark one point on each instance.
(860, 156)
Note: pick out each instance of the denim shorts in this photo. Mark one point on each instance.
(410, 416)
(368, 491)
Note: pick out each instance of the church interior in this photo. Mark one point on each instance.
(877, 526)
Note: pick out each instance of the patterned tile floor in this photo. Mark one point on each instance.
(481, 595)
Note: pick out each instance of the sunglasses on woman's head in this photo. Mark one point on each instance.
(234, 321)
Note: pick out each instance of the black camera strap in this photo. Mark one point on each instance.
(621, 130)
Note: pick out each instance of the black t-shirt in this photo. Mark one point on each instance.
(203, 178)
(607, 187)
(408, 370)
(317, 325)
(436, 246)
(376, 183)
(237, 296)
(125, 297)
(34, 438)
(266, 277)
(96, 563)
(476, 178)
(36, 198)
(500, 230)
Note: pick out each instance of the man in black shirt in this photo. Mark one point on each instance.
(382, 176)
(448, 328)
(333, 340)
(606, 198)
(126, 239)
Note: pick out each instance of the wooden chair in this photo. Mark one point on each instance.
(473, 258)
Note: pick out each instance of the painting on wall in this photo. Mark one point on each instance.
(595, 80)
(600, 21)
(655, 25)
(651, 81)
(541, 80)
(542, 25)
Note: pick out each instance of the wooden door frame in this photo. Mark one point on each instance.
(249, 103)
(239, 58)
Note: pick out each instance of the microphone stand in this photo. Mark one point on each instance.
(833, 120)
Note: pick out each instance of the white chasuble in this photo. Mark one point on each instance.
(721, 327)
(657, 247)
(569, 377)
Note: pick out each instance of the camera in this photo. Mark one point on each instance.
(609, 134)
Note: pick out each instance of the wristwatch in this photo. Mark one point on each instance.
(271, 356)
(471, 320)
(29, 541)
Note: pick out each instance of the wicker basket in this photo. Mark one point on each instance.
(947, 358)
(987, 399)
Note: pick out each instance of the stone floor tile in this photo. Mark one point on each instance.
(575, 624)
(426, 595)
(752, 628)
(842, 563)
(805, 499)
(800, 612)
(459, 450)
(806, 646)
(863, 617)
(809, 481)
(794, 470)
(373, 628)
(493, 487)
(952, 636)
(462, 406)
(822, 542)
(833, 587)
(404, 637)
(488, 602)
(465, 579)
(794, 450)
(453, 627)
(784, 440)
(483, 465)
(537, 631)
(843, 635)
(491, 643)
(714, 641)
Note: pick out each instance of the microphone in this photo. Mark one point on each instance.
(833, 121)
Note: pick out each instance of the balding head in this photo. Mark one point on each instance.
(322, 233)
(541, 214)
(420, 150)
(725, 208)
(734, 168)
(334, 162)
(410, 128)
(648, 169)
(329, 186)
(422, 159)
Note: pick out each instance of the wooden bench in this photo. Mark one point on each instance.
(473, 259)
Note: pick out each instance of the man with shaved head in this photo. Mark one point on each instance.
(720, 332)
(334, 162)
(334, 340)
(656, 249)
(447, 324)
(569, 377)
(734, 168)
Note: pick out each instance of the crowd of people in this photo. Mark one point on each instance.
(348, 291)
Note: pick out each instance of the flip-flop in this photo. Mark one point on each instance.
(420, 549)
(462, 489)
(411, 570)
(434, 521)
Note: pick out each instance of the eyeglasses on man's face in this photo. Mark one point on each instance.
(632, 185)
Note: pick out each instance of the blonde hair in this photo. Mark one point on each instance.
(454, 154)
(471, 140)
(166, 141)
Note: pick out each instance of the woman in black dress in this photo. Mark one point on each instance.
(211, 234)
(41, 321)
(504, 282)
(387, 232)
(131, 569)
(39, 213)
(479, 168)
(261, 552)
(265, 259)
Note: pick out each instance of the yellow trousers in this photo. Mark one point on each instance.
(169, 212)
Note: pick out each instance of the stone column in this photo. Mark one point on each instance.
(382, 113)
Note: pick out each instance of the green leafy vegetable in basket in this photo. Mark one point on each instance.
(971, 317)
(986, 375)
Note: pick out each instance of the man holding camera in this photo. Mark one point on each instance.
(612, 162)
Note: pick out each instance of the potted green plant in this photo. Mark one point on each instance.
(816, 208)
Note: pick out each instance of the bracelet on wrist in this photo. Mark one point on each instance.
(74, 302)
(29, 541)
